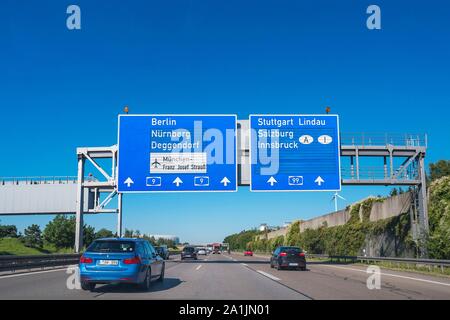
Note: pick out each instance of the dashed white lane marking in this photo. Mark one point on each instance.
(198, 267)
(34, 272)
(391, 275)
(244, 264)
(268, 275)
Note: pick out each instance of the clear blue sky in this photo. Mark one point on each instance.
(60, 89)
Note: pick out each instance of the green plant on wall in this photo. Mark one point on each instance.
(439, 219)
(292, 236)
(350, 238)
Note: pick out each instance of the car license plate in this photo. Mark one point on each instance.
(293, 264)
(108, 262)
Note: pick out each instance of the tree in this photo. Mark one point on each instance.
(8, 231)
(88, 235)
(33, 237)
(103, 233)
(239, 241)
(61, 232)
(439, 169)
(393, 192)
(128, 233)
(439, 219)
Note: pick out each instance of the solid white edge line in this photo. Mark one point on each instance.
(392, 275)
(36, 272)
(268, 275)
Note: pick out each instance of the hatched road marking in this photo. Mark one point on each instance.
(268, 275)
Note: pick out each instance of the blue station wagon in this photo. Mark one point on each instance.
(120, 260)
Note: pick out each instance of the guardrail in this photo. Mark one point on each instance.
(13, 263)
(353, 259)
(430, 262)
(383, 139)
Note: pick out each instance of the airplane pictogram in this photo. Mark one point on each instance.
(155, 163)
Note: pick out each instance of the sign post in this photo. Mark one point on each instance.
(173, 153)
(295, 153)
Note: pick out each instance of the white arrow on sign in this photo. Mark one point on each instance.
(272, 181)
(128, 182)
(225, 181)
(177, 181)
(319, 180)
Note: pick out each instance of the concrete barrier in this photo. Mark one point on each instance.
(390, 207)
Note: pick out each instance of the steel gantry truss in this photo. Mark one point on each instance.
(107, 186)
(409, 170)
(383, 151)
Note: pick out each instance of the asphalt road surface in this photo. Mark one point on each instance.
(231, 277)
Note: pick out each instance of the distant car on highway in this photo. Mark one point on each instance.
(288, 257)
(188, 252)
(248, 253)
(120, 260)
(163, 252)
(201, 251)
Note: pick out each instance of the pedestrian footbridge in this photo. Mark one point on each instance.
(40, 195)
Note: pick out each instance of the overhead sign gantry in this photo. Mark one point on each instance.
(308, 149)
(160, 153)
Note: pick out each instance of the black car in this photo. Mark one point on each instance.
(288, 257)
(163, 252)
(189, 252)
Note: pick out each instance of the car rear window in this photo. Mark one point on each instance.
(291, 250)
(112, 246)
(189, 249)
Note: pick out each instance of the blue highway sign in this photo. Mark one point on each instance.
(295, 153)
(159, 153)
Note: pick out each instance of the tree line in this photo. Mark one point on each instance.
(60, 233)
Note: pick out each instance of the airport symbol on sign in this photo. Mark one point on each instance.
(160, 153)
(295, 153)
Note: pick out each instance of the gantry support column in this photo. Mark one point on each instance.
(119, 215)
(80, 205)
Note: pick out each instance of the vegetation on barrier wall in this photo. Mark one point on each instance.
(347, 239)
(351, 238)
(439, 219)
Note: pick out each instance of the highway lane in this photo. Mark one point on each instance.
(331, 281)
(234, 276)
(211, 277)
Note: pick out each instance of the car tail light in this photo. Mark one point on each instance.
(283, 254)
(83, 259)
(134, 260)
(301, 254)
